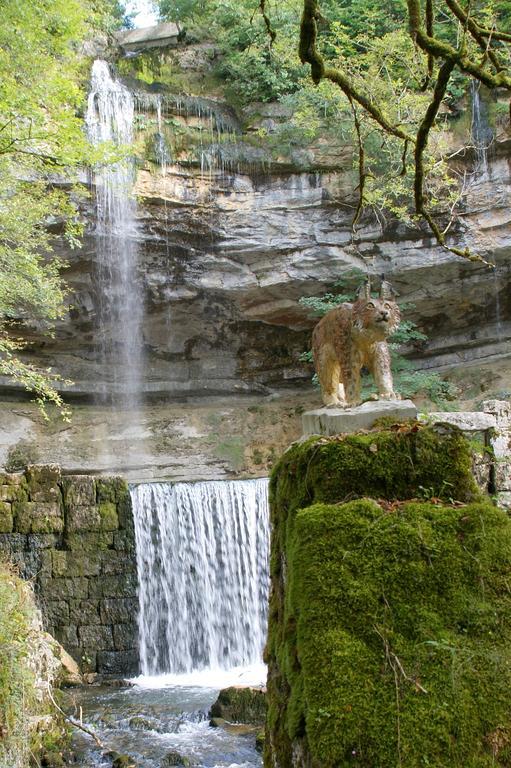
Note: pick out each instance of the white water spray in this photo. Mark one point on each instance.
(202, 559)
(109, 121)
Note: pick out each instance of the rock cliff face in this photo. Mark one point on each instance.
(230, 238)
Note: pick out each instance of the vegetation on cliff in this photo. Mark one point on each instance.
(29, 724)
(389, 615)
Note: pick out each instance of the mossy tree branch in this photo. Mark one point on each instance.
(441, 55)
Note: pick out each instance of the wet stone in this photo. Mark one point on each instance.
(43, 541)
(45, 494)
(87, 541)
(124, 541)
(118, 562)
(174, 758)
(85, 612)
(83, 518)
(63, 588)
(118, 610)
(96, 636)
(13, 542)
(67, 635)
(124, 585)
(79, 490)
(118, 662)
(125, 637)
(57, 612)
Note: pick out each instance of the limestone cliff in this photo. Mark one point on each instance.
(233, 230)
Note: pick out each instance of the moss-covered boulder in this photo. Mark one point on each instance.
(390, 620)
(240, 704)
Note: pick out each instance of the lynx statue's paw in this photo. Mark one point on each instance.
(390, 396)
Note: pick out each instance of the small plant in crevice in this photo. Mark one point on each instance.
(408, 381)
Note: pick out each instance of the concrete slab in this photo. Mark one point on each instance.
(468, 421)
(335, 421)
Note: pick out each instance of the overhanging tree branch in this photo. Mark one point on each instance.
(490, 71)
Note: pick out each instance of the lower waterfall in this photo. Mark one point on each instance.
(202, 561)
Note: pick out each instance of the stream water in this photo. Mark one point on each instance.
(202, 561)
(146, 723)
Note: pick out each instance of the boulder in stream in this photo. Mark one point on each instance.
(175, 758)
(240, 704)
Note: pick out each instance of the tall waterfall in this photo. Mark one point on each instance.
(481, 130)
(109, 120)
(202, 559)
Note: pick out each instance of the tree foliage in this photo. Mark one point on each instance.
(471, 41)
(42, 143)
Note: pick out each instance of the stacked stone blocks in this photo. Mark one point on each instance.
(73, 536)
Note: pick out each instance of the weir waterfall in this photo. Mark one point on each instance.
(202, 560)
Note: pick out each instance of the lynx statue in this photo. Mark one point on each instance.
(352, 336)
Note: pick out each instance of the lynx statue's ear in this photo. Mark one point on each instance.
(364, 292)
(386, 290)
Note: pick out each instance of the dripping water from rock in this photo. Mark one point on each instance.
(481, 130)
(109, 121)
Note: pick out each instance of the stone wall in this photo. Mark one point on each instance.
(73, 536)
(490, 429)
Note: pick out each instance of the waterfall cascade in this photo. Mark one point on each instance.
(109, 122)
(202, 559)
(481, 130)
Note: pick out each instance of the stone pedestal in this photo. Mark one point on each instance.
(335, 421)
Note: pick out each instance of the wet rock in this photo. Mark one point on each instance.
(259, 745)
(118, 662)
(69, 674)
(121, 761)
(117, 682)
(139, 723)
(239, 704)
(174, 758)
(79, 490)
(83, 518)
(238, 729)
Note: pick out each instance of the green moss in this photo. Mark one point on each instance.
(90, 541)
(109, 518)
(389, 624)
(113, 489)
(6, 518)
(403, 626)
(240, 705)
(387, 464)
